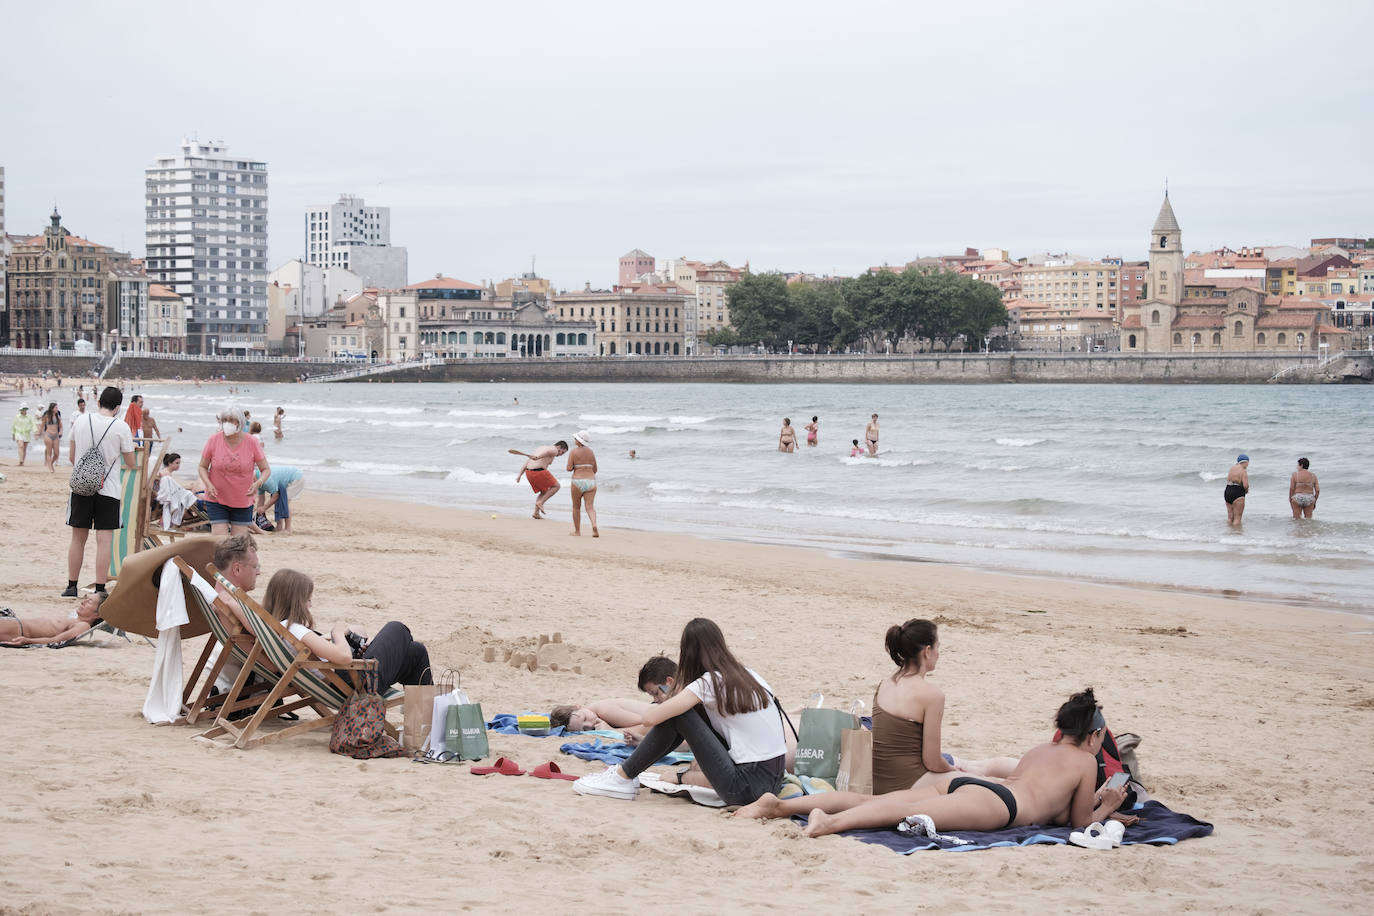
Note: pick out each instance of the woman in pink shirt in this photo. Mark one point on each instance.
(226, 470)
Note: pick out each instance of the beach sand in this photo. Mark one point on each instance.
(1255, 717)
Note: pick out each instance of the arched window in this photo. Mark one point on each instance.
(1154, 317)
(491, 338)
(581, 340)
(1216, 339)
(657, 351)
(500, 337)
(462, 337)
(1178, 340)
(1131, 343)
(1259, 338)
(639, 348)
(1163, 241)
(1300, 338)
(1240, 329)
(613, 348)
(603, 327)
(1197, 339)
(560, 339)
(675, 349)
(1283, 338)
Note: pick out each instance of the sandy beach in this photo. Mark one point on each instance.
(1255, 717)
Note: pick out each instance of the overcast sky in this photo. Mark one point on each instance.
(792, 135)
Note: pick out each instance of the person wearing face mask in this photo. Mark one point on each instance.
(226, 471)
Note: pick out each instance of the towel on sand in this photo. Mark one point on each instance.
(616, 752)
(1158, 826)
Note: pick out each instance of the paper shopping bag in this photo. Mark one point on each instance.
(818, 741)
(417, 711)
(466, 732)
(856, 761)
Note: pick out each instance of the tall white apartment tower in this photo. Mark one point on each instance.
(331, 231)
(206, 235)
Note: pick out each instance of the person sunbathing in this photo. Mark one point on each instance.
(619, 715)
(43, 631)
(1053, 784)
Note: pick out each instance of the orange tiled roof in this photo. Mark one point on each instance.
(1329, 329)
(1131, 321)
(158, 291)
(444, 283)
(1285, 321)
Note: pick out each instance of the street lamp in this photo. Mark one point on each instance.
(213, 350)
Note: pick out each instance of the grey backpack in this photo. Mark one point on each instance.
(89, 474)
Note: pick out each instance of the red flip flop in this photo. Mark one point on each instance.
(503, 766)
(550, 770)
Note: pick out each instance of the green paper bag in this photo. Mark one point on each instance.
(466, 731)
(818, 741)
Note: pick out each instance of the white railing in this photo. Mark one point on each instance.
(43, 351)
(108, 362)
(377, 369)
(1314, 366)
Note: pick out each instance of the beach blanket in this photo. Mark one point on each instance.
(616, 752)
(506, 724)
(1158, 826)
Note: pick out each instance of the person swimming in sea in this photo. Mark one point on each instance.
(1237, 488)
(857, 451)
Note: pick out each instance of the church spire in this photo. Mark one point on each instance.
(1166, 222)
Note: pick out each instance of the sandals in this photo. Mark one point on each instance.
(1098, 836)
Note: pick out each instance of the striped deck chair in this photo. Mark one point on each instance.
(233, 645)
(133, 510)
(323, 686)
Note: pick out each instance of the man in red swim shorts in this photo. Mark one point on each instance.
(536, 471)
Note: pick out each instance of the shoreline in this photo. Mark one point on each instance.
(1253, 718)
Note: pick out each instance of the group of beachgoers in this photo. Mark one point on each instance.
(729, 718)
(787, 437)
(581, 462)
(1303, 490)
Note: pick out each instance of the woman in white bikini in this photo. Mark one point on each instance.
(1303, 490)
(582, 463)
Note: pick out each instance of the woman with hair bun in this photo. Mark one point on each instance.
(1052, 785)
(907, 715)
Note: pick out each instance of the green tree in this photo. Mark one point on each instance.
(760, 309)
(814, 306)
(869, 303)
(722, 337)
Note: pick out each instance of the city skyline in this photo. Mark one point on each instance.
(791, 141)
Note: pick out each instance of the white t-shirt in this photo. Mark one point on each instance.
(87, 430)
(753, 736)
(299, 630)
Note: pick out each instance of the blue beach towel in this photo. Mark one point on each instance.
(1158, 826)
(616, 752)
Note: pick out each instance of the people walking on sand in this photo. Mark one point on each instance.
(857, 451)
(582, 463)
(536, 472)
(21, 431)
(813, 432)
(111, 438)
(787, 436)
(871, 435)
(1303, 490)
(226, 471)
(52, 435)
(1237, 486)
(276, 422)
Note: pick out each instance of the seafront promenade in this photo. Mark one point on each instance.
(927, 368)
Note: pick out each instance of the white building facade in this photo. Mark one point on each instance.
(349, 234)
(206, 235)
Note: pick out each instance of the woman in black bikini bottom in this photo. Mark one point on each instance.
(1000, 790)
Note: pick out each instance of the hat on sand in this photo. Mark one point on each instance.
(581, 438)
(1242, 457)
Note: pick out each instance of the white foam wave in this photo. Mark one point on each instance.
(468, 475)
(1019, 443)
(688, 421)
(618, 418)
(1211, 475)
(614, 430)
(379, 468)
(458, 412)
(550, 414)
(664, 486)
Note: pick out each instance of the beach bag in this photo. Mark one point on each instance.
(856, 761)
(818, 741)
(88, 476)
(465, 733)
(360, 727)
(417, 713)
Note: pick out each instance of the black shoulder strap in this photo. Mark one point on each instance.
(782, 714)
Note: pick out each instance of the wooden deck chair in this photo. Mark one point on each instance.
(323, 686)
(198, 700)
(193, 522)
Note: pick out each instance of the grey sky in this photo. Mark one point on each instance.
(797, 135)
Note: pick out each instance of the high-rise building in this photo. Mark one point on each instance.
(206, 233)
(356, 237)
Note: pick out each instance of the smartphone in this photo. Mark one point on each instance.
(1117, 781)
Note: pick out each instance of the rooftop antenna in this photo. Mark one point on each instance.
(1166, 187)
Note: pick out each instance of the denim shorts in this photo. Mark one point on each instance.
(220, 513)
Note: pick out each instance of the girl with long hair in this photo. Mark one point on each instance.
(52, 435)
(400, 659)
(724, 711)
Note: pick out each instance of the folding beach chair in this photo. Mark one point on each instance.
(233, 645)
(323, 686)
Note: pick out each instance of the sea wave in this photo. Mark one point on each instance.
(1019, 443)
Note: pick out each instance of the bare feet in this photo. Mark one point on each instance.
(575, 534)
(595, 533)
(765, 807)
(818, 823)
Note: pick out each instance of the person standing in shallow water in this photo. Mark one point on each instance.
(787, 436)
(871, 435)
(813, 432)
(1237, 488)
(1303, 490)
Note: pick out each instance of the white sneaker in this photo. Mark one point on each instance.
(609, 783)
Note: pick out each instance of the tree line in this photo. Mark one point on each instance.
(939, 306)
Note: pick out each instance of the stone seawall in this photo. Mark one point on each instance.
(997, 368)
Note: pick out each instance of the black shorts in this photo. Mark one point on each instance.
(98, 512)
(1233, 492)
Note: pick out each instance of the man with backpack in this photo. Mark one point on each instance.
(94, 501)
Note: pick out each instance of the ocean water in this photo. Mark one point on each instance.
(1107, 483)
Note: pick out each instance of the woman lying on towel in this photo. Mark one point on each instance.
(724, 711)
(46, 631)
(907, 714)
(400, 659)
(618, 715)
(1053, 784)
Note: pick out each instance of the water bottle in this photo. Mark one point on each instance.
(816, 701)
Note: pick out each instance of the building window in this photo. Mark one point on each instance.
(1178, 340)
(1240, 329)
(1154, 317)
(1216, 339)
(1131, 341)
(1259, 338)
(1283, 338)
